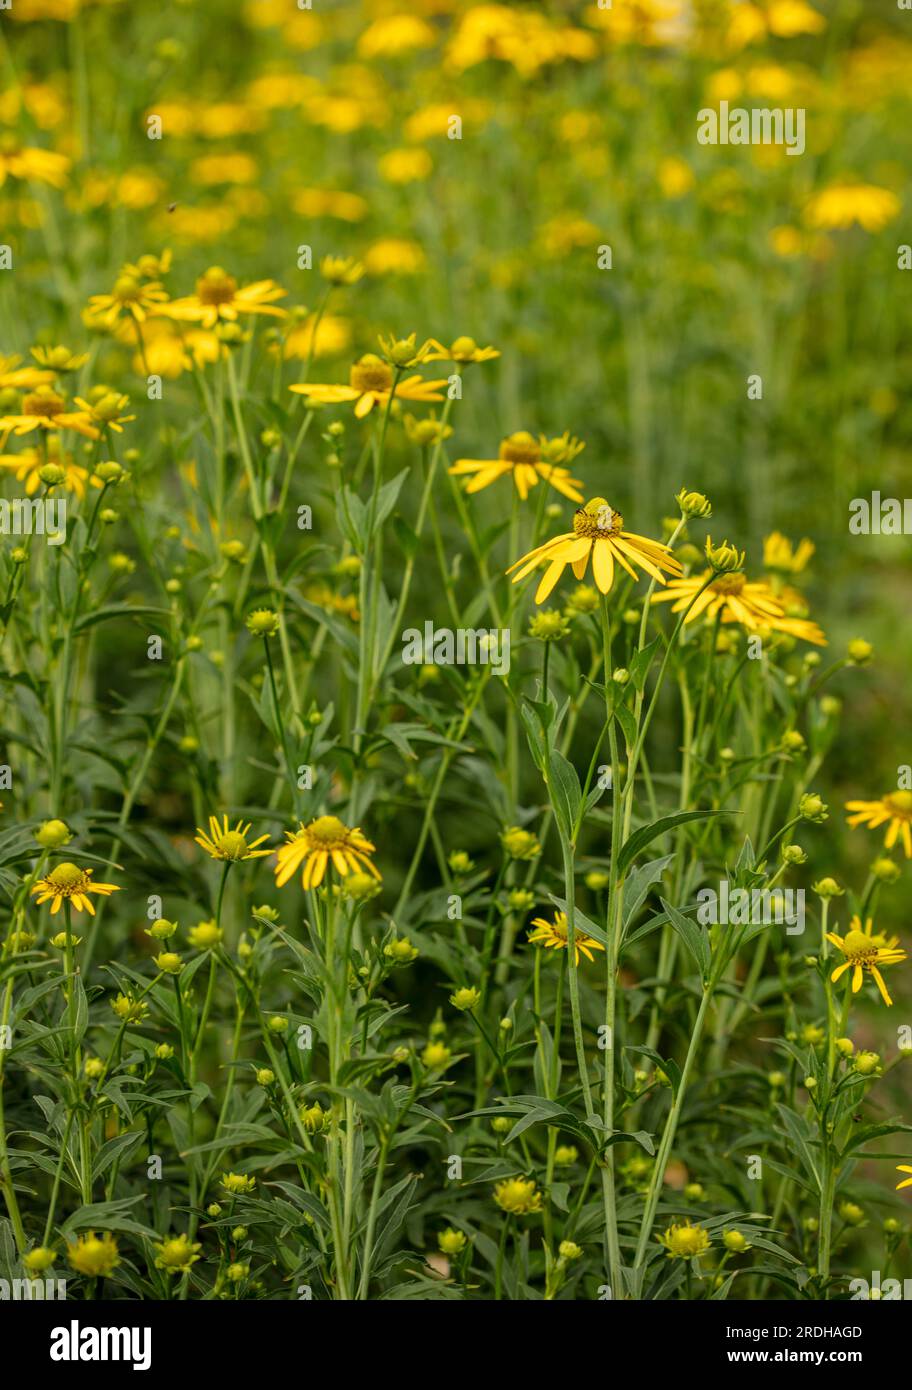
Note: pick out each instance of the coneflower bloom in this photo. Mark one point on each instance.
(130, 297)
(893, 810)
(44, 409)
(555, 936)
(230, 845)
(218, 297)
(737, 599)
(371, 384)
(519, 456)
(325, 840)
(69, 883)
(598, 531)
(863, 952)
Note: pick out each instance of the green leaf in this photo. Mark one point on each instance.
(566, 793)
(694, 937)
(647, 833)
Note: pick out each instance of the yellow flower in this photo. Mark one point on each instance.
(518, 1196)
(863, 951)
(129, 1009)
(906, 1182)
(519, 456)
(842, 204)
(781, 555)
(44, 409)
(237, 1182)
(16, 378)
(555, 936)
(71, 884)
(465, 998)
(519, 843)
(27, 467)
(168, 962)
(683, 1241)
(27, 162)
(93, 1255)
(451, 1242)
(315, 845)
(738, 600)
(205, 935)
(176, 1253)
(341, 270)
(894, 809)
(230, 845)
(394, 256)
(405, 165)
(39, 1259)
(460, 350)
(59, 359)
(218, 298)
(598, 531)
(435, 1055)
(371, 384)
(106, 409)
(129, 297)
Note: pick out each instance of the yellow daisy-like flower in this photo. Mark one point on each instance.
(684, 1241)
(129, 297)
(738, 600)
(839, 206)
(519, 456)
(29, 463)
(598, 531)
(43, 409)
(371, 384)
(903, 1168)
(34, 165)
(463, 350)
(218, 298)
(894, 810)
(862, 952)
(227, 844)
(781, 555)
(555, 936)
(518, 1196)
(16, 378)
(93, 1255)
(69, 883)
(324, 840)
(106, 411)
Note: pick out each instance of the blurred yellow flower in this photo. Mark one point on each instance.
(843, 204)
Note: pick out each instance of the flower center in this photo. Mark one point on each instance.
(216, 286)
(65, 876)
(327, 830)
(370, 374)
(900, 803)
(728, 584)
(520, 448)
(127, 290)
(859, 947)
(597, 519)
(43, 403)
(233, 844)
